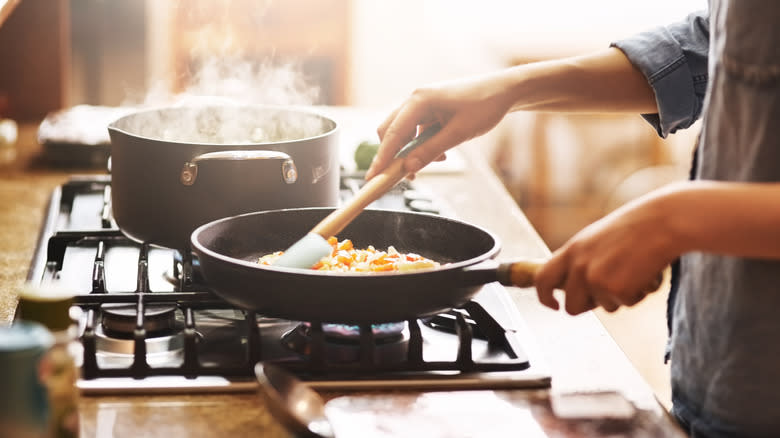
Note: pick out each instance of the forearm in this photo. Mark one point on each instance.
(601, 82)
(739, 219)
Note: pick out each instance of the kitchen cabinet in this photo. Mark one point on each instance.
(579, 353)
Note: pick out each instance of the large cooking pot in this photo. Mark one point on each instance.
(228, 250)
(176, 168)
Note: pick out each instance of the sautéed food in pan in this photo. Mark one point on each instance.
(345, 258)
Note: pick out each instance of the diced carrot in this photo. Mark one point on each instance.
(381, 260)
(383, 268)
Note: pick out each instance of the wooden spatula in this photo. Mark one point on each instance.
(313, 246)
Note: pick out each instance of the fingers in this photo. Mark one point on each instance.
(399, 128)
(635, 298)
(604, 300)
(411, 175)
(582, 293)
(640, 294)
(382, 128)
(548, 278)
(433, 150)
(578, 297)
(451, 134)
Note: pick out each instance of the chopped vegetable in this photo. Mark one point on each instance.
(345, 258)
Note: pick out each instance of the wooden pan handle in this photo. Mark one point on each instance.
(522, 273)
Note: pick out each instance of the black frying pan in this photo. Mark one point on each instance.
(229, 248)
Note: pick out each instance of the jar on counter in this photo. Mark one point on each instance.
(59, 366)
(24, 405)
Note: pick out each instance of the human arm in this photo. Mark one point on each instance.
(610, 262)
(661, 73)
(467, 108)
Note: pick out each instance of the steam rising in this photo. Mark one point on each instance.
(252, 82)
(227, 101)
(226, 123)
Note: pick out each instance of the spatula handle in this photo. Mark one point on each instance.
(370, 192)
(372, 189)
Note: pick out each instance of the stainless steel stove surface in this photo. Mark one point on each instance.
(189, 340)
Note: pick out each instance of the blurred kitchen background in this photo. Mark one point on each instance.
(564, 171)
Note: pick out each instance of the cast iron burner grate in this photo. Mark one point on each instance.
(212, 337)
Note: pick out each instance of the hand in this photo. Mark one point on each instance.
(612, 262)
(465, 109)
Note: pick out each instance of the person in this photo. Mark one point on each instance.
(720, 231)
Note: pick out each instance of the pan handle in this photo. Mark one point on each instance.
(522, 273)
(189, 172)
(518, 273)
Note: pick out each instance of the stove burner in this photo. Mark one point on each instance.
(119, 353)
(154, 329)
(345, 333)
(343, 343)
(120, 319)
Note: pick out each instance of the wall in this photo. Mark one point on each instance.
(108, 51)
(401, 44)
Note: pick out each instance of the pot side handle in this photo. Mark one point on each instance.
(189, 172)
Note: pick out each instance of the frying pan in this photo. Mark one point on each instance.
(228, 250)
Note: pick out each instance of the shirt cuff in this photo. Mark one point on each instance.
(659, 57)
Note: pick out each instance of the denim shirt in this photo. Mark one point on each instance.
(722, 65)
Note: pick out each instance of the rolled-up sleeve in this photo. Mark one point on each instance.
(674, 60)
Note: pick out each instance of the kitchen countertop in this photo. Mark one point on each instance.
(579, 353)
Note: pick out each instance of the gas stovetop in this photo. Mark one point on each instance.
(188, 340)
